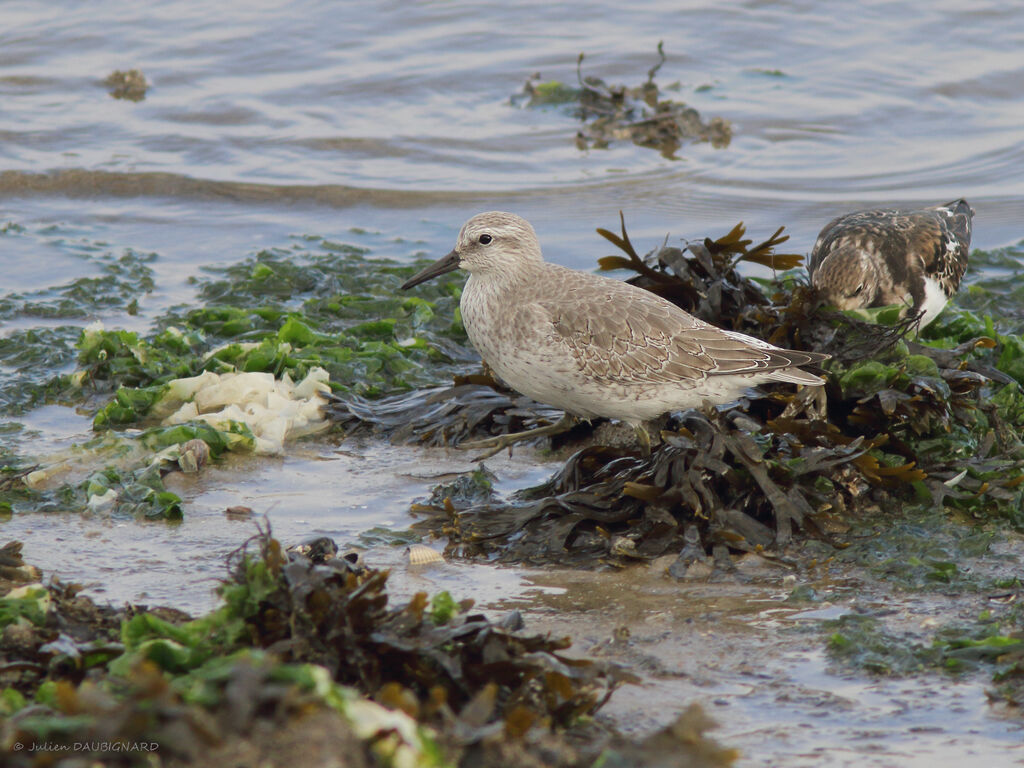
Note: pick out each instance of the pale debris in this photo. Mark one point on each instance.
(275, 410)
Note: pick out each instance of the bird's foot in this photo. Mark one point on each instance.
(493, 445)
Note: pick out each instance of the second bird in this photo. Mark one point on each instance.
(880, 257)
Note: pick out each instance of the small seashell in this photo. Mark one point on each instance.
(194, 455)
(420, 554)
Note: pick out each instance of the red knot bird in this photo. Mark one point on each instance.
(592, 345)
(880, 257)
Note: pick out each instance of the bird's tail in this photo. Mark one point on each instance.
(796, 376)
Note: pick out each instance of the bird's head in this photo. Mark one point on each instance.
(847, 279)
(489, 243)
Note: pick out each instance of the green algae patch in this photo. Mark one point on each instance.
(992, 288)
(319, 312)
(428, 683)
(109, 358)
(932, 560)
(31, 356)
(131, 480)
(994, 646)
(28, 358)
(861, 642)
(286, 313)
(124, 279)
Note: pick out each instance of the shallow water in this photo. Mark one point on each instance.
(756, 663)
(358, 495)
(385, 126)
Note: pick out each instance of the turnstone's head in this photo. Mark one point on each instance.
(848, 278)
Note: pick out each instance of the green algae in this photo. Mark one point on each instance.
(124, 280)
(282, 310)
(32, 357)
(442, 608)
(861, 642)
(994, 287)
(130, 482)
(29, 359)
(992, 644)
(319, 304)
(288, 313)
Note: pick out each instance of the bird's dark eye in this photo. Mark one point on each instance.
(859, 289)
(485, 239)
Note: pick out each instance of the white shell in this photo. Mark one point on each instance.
(420, 554)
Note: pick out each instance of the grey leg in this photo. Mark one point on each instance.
(493, 445)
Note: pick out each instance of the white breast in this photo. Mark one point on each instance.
(935, 300)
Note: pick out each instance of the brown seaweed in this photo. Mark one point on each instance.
(474, 407)
(640, 114)
(492, 693)
(338, 617)
(745, 490)
(129, 84)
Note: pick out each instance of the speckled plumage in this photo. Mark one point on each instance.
(592, 345)
(880, 257)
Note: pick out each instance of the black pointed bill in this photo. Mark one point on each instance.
(448, 263)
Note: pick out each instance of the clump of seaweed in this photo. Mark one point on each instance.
(934, 423)
(473, 406)
(445, 655)
(614, 112)
(129, 84)
(425, 684)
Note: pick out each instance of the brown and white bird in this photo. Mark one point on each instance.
(880, 257)
(592, 345)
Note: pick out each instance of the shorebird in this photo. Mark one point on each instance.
(880, 257)
(592, 345)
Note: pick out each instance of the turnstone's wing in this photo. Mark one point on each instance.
(950, 242)
(880, 233)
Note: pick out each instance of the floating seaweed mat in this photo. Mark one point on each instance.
(639, 114)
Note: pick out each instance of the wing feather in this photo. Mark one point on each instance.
(652, 340)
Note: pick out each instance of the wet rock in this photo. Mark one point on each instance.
(317, 550)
